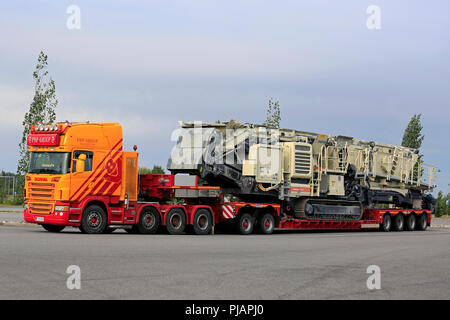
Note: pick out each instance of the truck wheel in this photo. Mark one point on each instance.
(202, 222)
(93, 220)
(422, 222)
(410, 222)
(176, 221)
(399, 222)
(149, 221)
(245, 223)
(386, 224)
(266, 223)
(52, 227)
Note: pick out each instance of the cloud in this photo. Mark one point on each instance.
(13, 103)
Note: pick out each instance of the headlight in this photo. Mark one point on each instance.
(61, 208)
(25, 206)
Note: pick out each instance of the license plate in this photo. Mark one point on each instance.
(40, 219)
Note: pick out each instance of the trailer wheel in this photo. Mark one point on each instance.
(245, 223)
(176, 221)
(386, 224)
(266, 223)
(202, 222)
(52, 227)
(399, 222)
(410, 222)
(149, 221)
(422, 222)
(93, 220)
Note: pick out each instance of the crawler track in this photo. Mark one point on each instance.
(325, 209)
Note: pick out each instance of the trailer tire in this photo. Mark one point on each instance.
(176, 221)
(93, 220)
(386, 225)
(203, 221)
(149, 221)
(266, 223)
(399, 222)
(245, 223)
(410, 222)
(52, 227)
(422, 222)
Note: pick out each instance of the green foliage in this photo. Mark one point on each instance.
(155, 170)
(441, 207)
(413, 138)
(8, 186)
(273, 117)
(42, 110)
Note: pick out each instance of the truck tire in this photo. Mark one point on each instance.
(410, 222)
(386, 225)
(245, 223)
(266, 223)
(176, 221)
(422, 222)
(52, 227)
(93, 220)
(149, 221)
(399, 222)
(203, 222)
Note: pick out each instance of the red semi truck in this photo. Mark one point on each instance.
(80, 177)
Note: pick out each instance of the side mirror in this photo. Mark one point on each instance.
(80, 163)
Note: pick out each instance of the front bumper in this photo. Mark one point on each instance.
(62, 218)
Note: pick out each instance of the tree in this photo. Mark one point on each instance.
(439, 210)
(273, 117)
(155, 170)
(42, 110)
(413, 138)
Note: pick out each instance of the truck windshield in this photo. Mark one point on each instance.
(49, 162)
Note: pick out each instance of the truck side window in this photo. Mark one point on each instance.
(87, 163)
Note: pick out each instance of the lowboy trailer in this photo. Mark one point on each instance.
(80, 177)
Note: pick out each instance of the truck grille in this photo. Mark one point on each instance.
(40, 197)
(41, 191)
(302, 160)
(40, 208)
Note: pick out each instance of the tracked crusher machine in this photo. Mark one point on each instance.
(312, 176)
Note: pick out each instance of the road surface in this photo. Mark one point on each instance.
(285, 265)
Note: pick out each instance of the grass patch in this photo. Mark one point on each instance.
(5, 205)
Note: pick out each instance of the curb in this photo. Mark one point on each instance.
(16, 224)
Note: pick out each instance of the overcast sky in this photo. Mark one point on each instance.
(147, 64)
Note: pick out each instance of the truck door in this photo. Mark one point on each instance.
(80, 187)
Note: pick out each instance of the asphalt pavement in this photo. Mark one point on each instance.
(285, 265)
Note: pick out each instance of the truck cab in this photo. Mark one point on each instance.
(74, 165)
